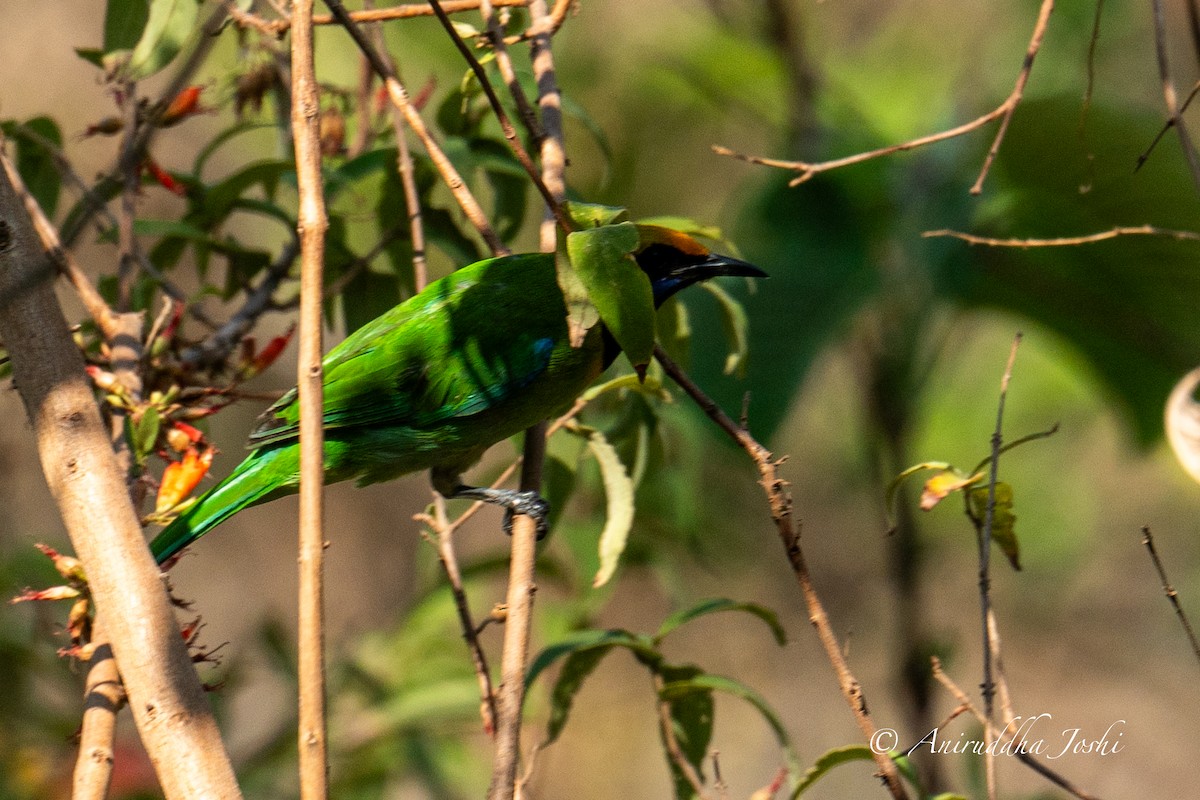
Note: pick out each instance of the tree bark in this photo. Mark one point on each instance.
(168, 703)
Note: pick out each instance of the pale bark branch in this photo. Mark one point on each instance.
(168, 703)
(312, 223)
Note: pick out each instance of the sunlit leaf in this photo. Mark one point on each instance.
(733, 319)
(168, 27)
(941, 485)
(828, 760)
(618, 492)
(621, 292)
(594, 215)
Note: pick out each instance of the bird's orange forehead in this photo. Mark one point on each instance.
(656, 234)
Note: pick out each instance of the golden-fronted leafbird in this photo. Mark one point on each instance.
(471, 360)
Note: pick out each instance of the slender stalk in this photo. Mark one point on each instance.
(314, 765)
(780, 502)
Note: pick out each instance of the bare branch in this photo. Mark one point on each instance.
(1169, 591)
(103, 697)
(780, 502)
(1067, 241)
(807, 170)
(312, 222)
(1168, 88)
(399, 97)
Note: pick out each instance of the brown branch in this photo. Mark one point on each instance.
(807, 170)
(399, 97)
(168, 704)
(1168, 89)
(103, 697)
(508, 72)
(506, 126)
(408, 180)
(1067, 241)
(1145, 155)
(105, 318)
(553, 150)
(522, 586)
(312, 222)
(443, 540)
(780, 503)
(1169, 591)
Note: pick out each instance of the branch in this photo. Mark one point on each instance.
(807, 170)
(780, 503)
(103, 697)
(1169, 591)
(168, 704)
(1168, 88)
(506, 126)
(1067, 241)
(399, 97)
(312, 222)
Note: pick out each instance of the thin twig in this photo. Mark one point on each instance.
(1014, 99)
(103, 697)
(1011, 725)
(984, 533)
(443, 540)
(312, 223)
(1068, 241)
(1145, 155)
(404, 167)
(399, 97)
(1169, 591)
(1168, 89)
(807, 170)
(506, 126)
(508, 72)
(781, 513)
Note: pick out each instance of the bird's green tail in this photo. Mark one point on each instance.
(266, 474)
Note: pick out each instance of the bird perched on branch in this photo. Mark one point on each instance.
(473, 359)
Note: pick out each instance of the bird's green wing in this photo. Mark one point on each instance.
(462, 346)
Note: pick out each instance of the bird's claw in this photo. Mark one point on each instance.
(528, 504)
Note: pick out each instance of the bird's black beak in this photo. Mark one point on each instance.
(717, 265)
(691, 270)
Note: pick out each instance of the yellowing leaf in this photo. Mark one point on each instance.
(1003, 519)
(618, 491)
(940, 486)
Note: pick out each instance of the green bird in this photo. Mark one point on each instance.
(471, 360)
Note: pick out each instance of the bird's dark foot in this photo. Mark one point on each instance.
(529, 504)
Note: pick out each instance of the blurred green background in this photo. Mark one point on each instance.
(871, 348)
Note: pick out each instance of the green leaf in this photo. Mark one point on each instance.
(602, 257)
(827, 761)
(92, 55)
(1003, 519)
(35, 162)
(594, 215)
(618, 491)
(641, 646)
(124, 21)
(702, 682)
(145, 433)
(722, 604)
(170, 24)
(691, 712)
(733, 319)
(582, 315)
(578, 666)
